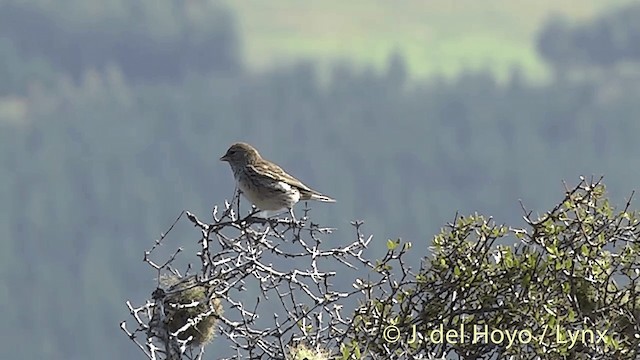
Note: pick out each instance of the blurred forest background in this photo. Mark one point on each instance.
(113, 115)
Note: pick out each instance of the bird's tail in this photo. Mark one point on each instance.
(320, 197)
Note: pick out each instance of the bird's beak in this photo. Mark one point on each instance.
(224, 158)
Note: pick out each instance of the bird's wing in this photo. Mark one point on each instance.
(275, 172)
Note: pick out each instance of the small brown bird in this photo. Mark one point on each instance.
(264, 183)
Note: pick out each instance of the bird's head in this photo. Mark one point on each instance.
(241, 154)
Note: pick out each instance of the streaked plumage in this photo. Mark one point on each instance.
(264, 183)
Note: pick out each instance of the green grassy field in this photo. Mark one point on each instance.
(436, 36)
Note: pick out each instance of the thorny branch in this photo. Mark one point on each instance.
(268, 285)
(280, 263)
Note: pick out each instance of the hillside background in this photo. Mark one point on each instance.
(113, 116)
